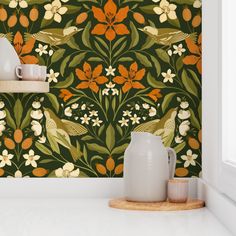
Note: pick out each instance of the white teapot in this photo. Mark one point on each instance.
(148, 166)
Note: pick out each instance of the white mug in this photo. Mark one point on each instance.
(43, 73)
(28, 72)
(178, 190)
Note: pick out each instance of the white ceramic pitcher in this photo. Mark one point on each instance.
(148, 165)
(8, 60)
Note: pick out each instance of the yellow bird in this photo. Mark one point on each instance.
(164, 127)
(167, 36)
(55, 36)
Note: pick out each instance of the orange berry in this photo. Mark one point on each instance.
(2, 172)
(187, 15)
(110, 164)
(24, 21)
(34, 14)
(101, 169)
(196, 21)
(3, 14)
(9, 143)
(193, 143)
(139, 18)
(119, 169)
(181, 172)
(200, 135)
(18, 135)
(81, 18)
(39, 172)
(12, 21)
(27, 143)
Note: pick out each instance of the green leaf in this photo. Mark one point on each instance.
(77, 59)
(9, 119)
(147, 100)
(57, 55)
(156, 64)
(118, 42)
(179, 63)
(18, 110)
(45, 161)
(71, 43)
(180, 147)
(113, 103)
(119, 129)
(194, 120)
(53, 99)
(102, 42)
(126, 1)
(66, 83)
(175, 23)
(100, 50)
(148, 44)
(143, 59)
(32, 2)
(101, 129)
(200, 111)
(120, 50)
(148, 9)
(46, 23)
(125, 59)
(82, 174)
(41, 61)
(195, 77)
(110, 137)
(162, 54)
(85, 153)
(96, 59)
(189, 84)
(134, 35)
(119, 149)
(166, 101)
(154, 83)
(86, 35)
(43, 149)
(87, 138)
(26, 120)
(63, 65)
(188, 2)
(97, 148)
(71, 9)
(106, 103)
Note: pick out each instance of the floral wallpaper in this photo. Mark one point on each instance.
(114, 66)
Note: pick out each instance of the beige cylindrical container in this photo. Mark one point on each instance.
(178, 190)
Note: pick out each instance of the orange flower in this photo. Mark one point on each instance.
(65, 94)
(111, 20)
(155, 94)
(196, 50)
(130, 78)
(23, 49)
(90, 78)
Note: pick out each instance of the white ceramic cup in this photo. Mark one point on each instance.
(28, 72)
(177, 190)
(43, 73)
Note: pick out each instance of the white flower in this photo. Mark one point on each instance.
(68, 112)
(178, 139)
(137, 107)
(184, 127)
(115, 92)
(184, 105)
(197, 4)
(74, 106)
(41, 49)
(2, 126)
(2, 114)
(54, 10)
(179, 49)
(127, 113)
(152, 111)
(156, 0)
(31, 158)
(18, 174)
(50, 52)
(14, 3)
(168, 76)
(105, 91)
(96, 122)
(166, 10)
(67, 171)
(85, 119)
(2, 104)
(42, 139)
(36, 105)
(123, 122)
(5, 158)
(135, 119)
(183, 115)
(189, 158)
(110, 86)
(83, 107)
(93, 113)
(146, 106)
(36, 127)
(110, 71)
(37, 114)
(52, 76)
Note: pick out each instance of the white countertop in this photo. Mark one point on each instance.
(93, 217)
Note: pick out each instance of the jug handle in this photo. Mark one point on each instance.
(172, 162)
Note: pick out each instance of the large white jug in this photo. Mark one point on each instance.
(148, 166)
(8, 60)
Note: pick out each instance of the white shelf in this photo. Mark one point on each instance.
(14, 86)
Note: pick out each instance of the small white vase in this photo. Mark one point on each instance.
(8, 60)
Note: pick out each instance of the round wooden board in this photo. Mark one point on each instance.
(156, 206)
